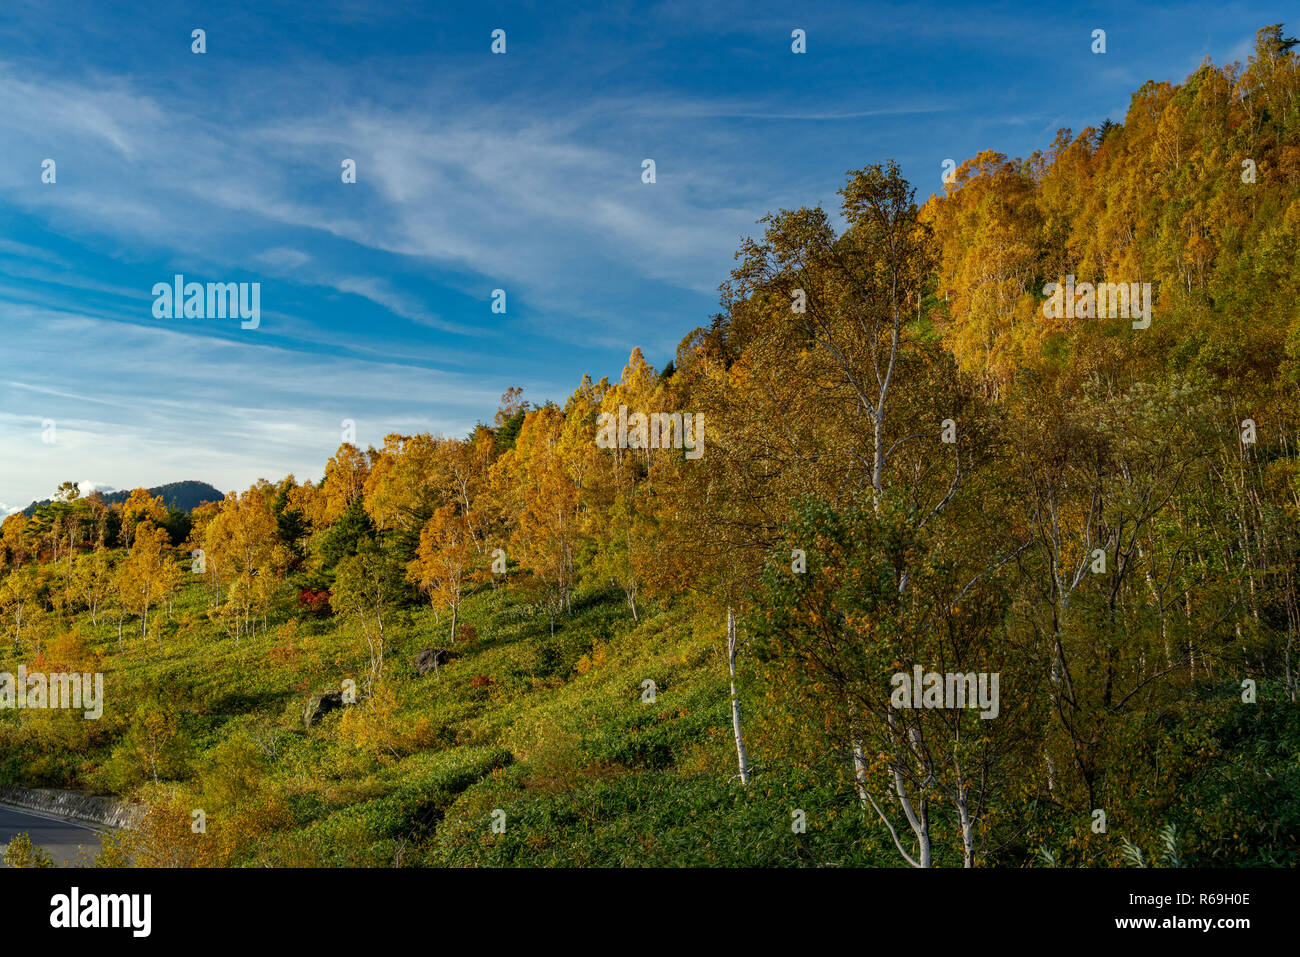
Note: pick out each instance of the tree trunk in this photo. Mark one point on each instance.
(859, 768)
(967, 830)
(732, 648)
(918, 820)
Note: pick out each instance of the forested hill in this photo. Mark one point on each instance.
(186, 496)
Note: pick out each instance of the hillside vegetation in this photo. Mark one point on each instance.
(678, 641)
(184, 496)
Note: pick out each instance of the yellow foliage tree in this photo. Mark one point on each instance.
(444, 561)
(243, 553)
(148, 575)
(141, 507)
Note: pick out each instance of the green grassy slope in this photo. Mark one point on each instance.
(552, 730)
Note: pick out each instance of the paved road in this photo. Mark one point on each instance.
(58, 837)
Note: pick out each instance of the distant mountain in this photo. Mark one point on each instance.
(186, 496)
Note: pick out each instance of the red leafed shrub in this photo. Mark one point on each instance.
(314, 602)
(466, 633)
(480, 681)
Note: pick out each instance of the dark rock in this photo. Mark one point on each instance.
(430, 658)
(321, 705)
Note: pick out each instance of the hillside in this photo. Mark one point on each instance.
(552, 730)
(186, 496)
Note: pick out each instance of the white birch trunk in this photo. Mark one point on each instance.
(967, 830)
(732, 648)
(918, 820)
(859, 756)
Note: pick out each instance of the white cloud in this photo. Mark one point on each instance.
(142, 406)
(282, 257)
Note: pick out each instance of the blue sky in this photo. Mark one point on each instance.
(474, 172)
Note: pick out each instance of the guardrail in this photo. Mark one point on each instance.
(74, 806)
